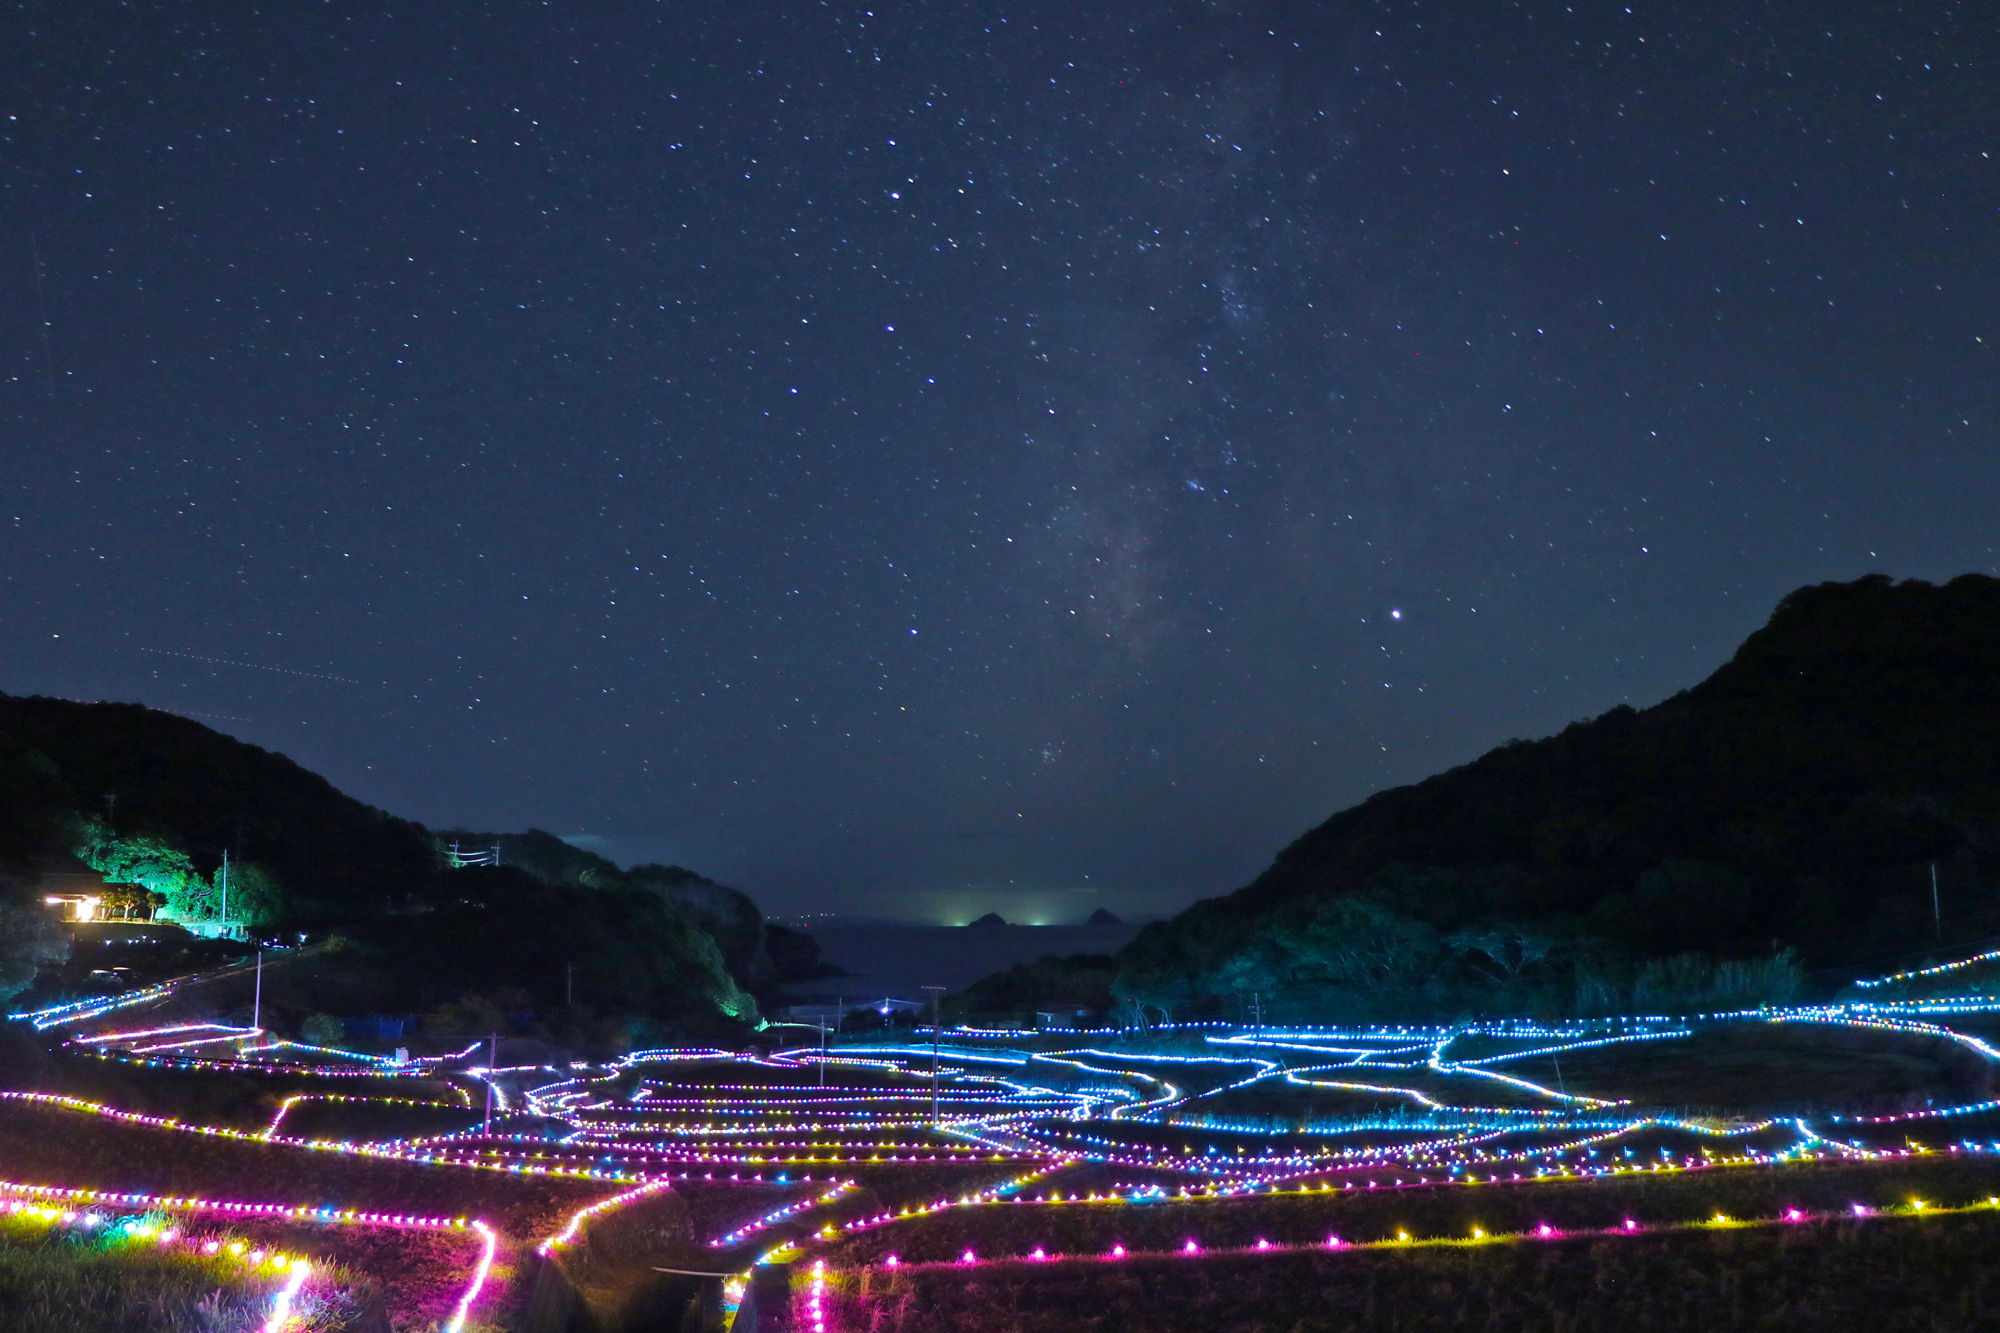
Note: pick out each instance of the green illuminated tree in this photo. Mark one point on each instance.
(255, 897)
(155, 865)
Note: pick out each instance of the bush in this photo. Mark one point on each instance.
(1697, 983)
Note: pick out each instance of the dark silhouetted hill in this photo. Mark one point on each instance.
(758, 954)
(551, 921)
(206, 792)
(1786, 812)
(1067, 986)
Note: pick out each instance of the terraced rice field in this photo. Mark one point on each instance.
(1746, 1170)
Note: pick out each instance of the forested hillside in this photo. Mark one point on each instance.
(156, 798)
(1786, 814)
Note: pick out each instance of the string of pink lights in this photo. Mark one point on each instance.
(87, 1210)
(1193, 1248)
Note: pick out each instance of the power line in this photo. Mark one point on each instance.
(253, 666)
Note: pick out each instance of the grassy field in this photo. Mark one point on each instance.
(373, 1121)
(56, 1282)
(1447, 1212)
(1885, 1275)
(212, 1096)
(1764, 1066)
(413, 1277)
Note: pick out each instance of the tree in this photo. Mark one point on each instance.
(1688, 904)
(129, 902)
(29, 941)
(1510, 948)
(1340, 944)
(155, 865)
(256, 899)
(499, 926)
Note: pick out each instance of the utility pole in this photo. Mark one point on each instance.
(257, 1002)
(492, 1058)
(1937, 917)
(225, 891)
(822, 1050)
(937, 1021)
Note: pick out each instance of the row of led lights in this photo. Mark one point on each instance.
(705, 1055)
(610, 1202)
(776, 1216)
(989, 1196)
(1543, 1231)
(257, 1261)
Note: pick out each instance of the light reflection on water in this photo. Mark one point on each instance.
(898, 959)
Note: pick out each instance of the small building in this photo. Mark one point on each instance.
(75, 906)
(84, 895)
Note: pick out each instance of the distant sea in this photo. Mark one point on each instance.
(896, 960)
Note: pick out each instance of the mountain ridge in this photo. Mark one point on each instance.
(655, 944)
(1793, 800)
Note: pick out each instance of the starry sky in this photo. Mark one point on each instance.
(943, 457)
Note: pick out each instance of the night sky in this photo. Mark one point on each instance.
(946, 457)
